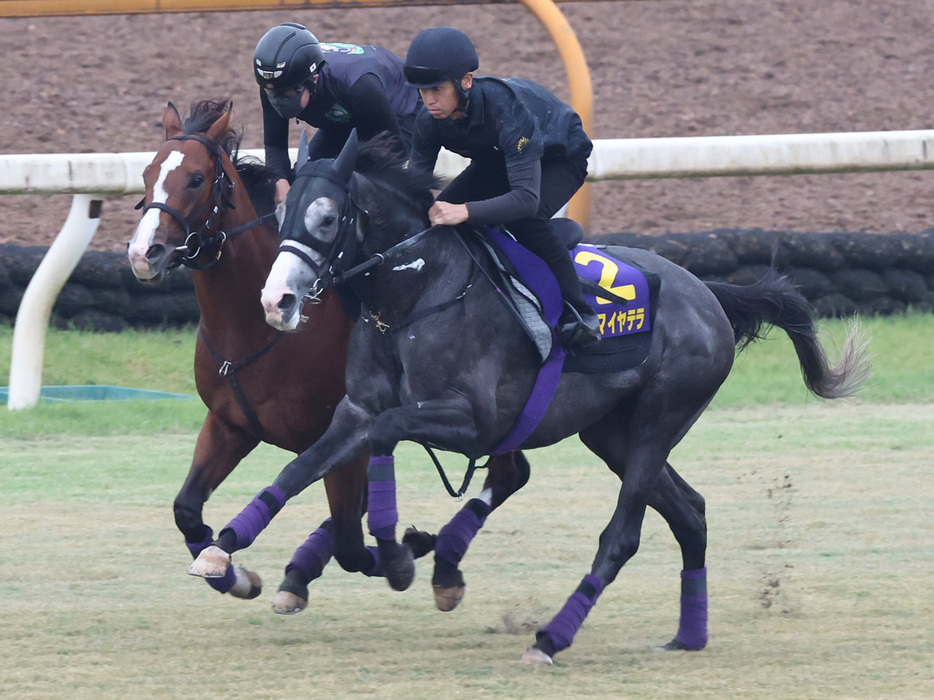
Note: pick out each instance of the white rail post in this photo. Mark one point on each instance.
(32, 318)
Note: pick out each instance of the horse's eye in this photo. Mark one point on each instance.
(328, 220)
(196, 180)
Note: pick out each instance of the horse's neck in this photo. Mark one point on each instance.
(430, 271)
(229, 291)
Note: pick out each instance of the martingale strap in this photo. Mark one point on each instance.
(468, 475)
(229, 369)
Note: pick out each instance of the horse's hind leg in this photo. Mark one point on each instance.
(684, 511)
(219, 449)
(635, 443)
(506, 474)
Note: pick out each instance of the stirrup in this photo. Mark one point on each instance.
(576, 330)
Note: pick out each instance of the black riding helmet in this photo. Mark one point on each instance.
(287, 56)
(439, 54)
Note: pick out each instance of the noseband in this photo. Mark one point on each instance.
(203, 239)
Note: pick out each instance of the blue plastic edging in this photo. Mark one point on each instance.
(98, 392)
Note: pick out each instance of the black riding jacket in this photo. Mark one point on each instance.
(360, 87)
(509, 123)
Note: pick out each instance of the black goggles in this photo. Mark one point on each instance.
(422, 77)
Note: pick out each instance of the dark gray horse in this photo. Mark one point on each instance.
(438, 359)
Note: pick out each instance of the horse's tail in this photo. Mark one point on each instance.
(774, 300)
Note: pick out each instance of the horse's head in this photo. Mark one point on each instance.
(319, 234)
(187, 187)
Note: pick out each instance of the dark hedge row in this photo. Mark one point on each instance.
(840, 273)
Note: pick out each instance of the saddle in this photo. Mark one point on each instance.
(621, 294)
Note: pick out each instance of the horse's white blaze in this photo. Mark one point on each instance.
(289, 277)
(145, 233)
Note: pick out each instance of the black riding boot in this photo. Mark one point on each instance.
(578, 325)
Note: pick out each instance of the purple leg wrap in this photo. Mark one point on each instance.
(382, 514)
(253, 519)
(314, 553)
(564, 626)
(196, 547)
(456, 536)
(692, 628)
(223, 584)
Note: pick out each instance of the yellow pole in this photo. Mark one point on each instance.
(579, 81)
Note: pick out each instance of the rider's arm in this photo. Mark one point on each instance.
(275, 138)
(525, 181)
(425, 145)
(371, 108)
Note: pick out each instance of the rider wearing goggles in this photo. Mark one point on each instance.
(332, 87)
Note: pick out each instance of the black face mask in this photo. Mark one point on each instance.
(286, 107)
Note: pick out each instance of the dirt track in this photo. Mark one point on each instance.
(659, 68)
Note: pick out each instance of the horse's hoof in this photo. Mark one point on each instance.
(400, 570)
(421, 543)
(446, 599)
(287, 603)
(248, 585)
(677, 645)
(211, 563)
(536, 657)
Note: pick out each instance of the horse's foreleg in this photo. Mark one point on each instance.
(684, 511)
(306, 564)
(446, 422)
(506, 474)
(343, 441)
(340, 536)
(219, 449)
(397, 563)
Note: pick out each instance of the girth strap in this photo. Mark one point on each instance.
(229, 369)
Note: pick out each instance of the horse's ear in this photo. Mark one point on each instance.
(347, 160)
(302, 150)
(220, 127)
(172, 121)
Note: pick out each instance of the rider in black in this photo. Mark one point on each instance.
(528, 154)
(333, 87)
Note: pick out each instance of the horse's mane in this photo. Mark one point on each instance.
(202, 116)
(380, 160)
(258, 180)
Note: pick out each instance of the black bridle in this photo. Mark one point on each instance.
(203, 246)
(335, 254)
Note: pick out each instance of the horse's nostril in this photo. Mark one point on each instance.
(155, 252)
(286, 302)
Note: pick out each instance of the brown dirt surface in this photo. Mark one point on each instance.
(659, 68)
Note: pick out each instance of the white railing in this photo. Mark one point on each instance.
(92, 175)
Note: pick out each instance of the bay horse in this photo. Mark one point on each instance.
(201, 210)
(438, 359)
